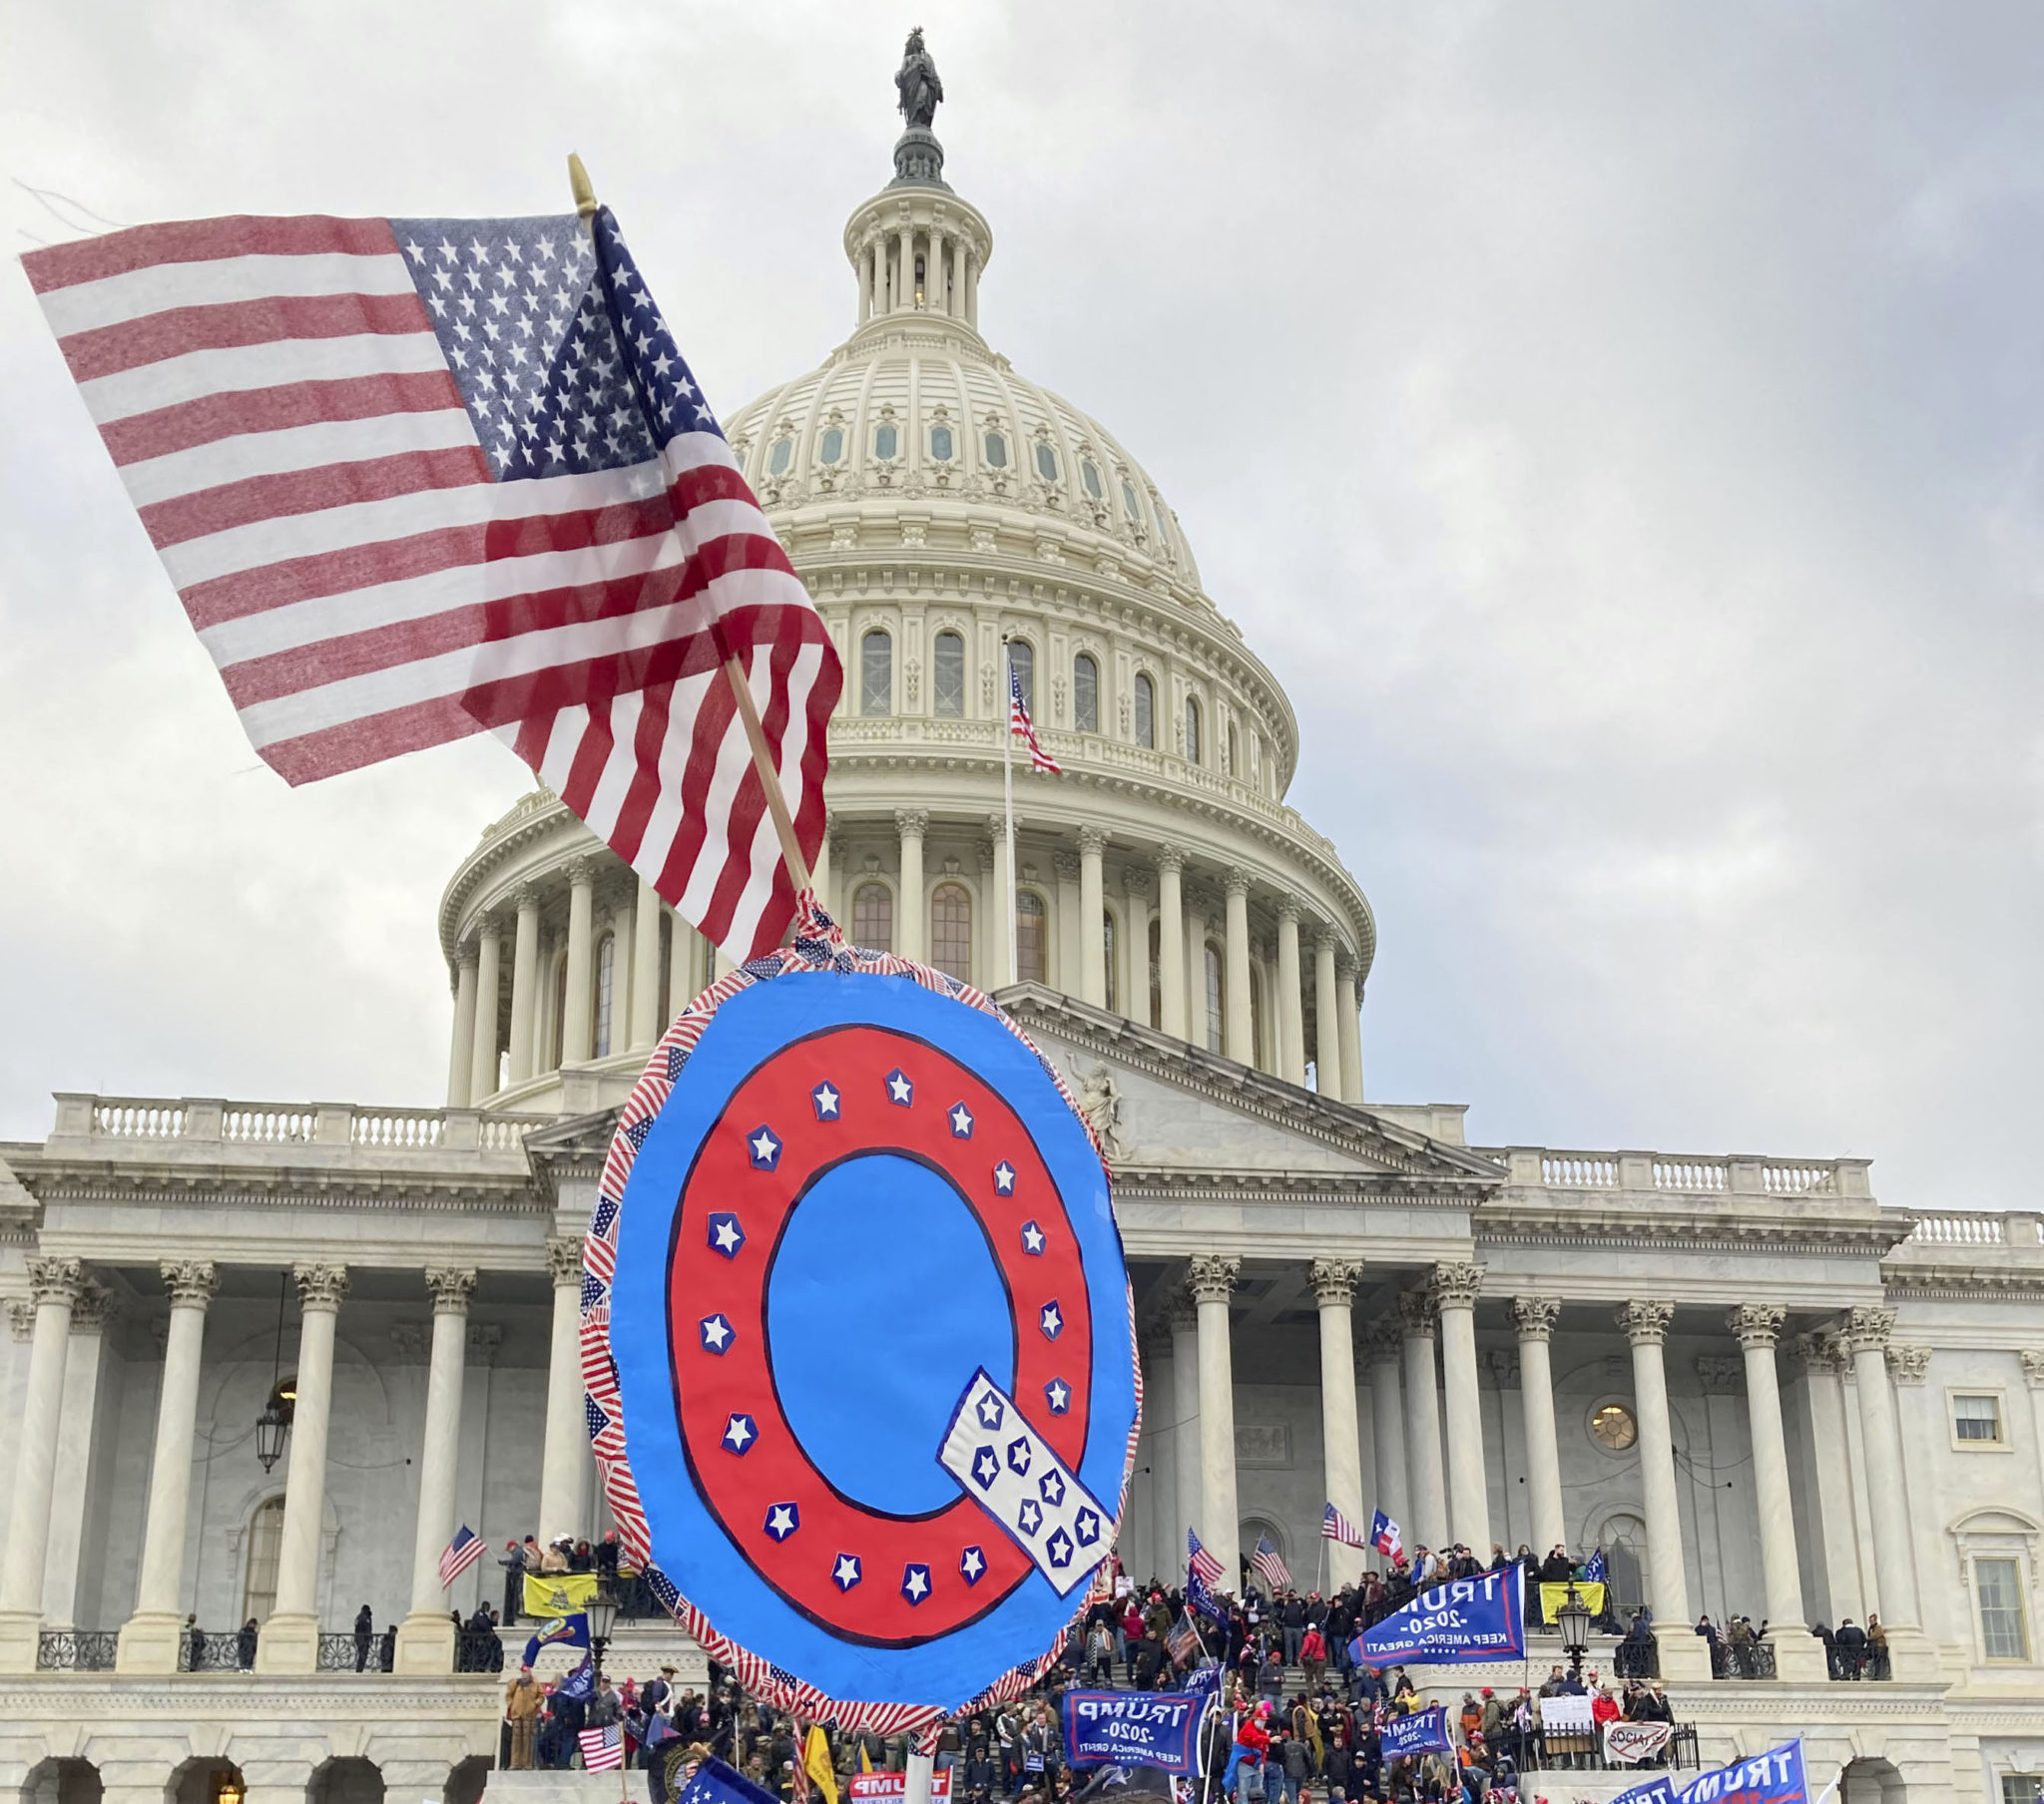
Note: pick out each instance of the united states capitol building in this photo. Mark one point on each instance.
(1763, 1389)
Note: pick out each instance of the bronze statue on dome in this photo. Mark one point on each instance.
(918, 83)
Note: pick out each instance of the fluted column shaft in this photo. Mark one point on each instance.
(149, 1638)
(576, 1036)
(1092, 918)
(425, 1639)
(1212, 1281)
(1171, 942)
(1327, 1023)
(1756, 1327)
(905, 294)
(1422, 1423)
(1291, 1000)
(1534, 1317)
(911, 939)
(461, 1047)
(524, 986)
(933, 273)
(56, 1284)
(1185, 1366)
(291, 1638)
(647, 1025)
(565, 1453)
(1455, 1288)
(482, 1073)
(1333, 1282)
(1348, 1018)
(1867, 1333)
(1646, 1326)
(1238, 1034)
(1387, 1426)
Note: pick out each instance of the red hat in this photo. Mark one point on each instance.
(1488, 1692)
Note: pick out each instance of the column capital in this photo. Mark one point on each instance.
(1907, 1363)
(1211, 1277)
(1823, 1355)
(1183, 1316)
(1092, 841)
(21, 1318)
(452, 1286)
(94, 1309)
(1504, 1367)
(320, 1286)
(1457, 1286)
(525, 896)
(997, 825)
(581, 870)
(1328, 941)
(1418, 1313)
(1138, 885)
(563, 1260)
(1757, 1324)
(911, 824)
(1289, 910)
(466, 955)
(1867, 1329)
(1645, 1321)
(191, 1282)
(1383, 1343)
(1171, 857)
(1333, 1281)
(51, 1280)
(1237, 881)
(2033, 1366)
(484, 1338)
(1720, 1375)
(1534, 1316)
(1066, 865)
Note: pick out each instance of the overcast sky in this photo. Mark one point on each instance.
(1617, 425)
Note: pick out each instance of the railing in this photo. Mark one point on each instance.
(139, 1121)
(1961, 1230)
(1678, 1174)
(1635, 1659)
(478, 1650)
(1541, 1752)
(274, 1127)
(290, 1124)
(77, 1650)
(229, 1652)
(1579, 1171)
(340, 1653)
(1753, 1659)
(408, 1128)
(1690, 1174)
(1852, 1663)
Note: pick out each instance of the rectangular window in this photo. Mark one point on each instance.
(1999, 1587)
(1977, 1420)
(2022, 1788)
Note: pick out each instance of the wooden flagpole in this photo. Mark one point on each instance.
(741, 690)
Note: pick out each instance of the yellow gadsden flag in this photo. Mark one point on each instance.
(558, 1593)
(817, 1759)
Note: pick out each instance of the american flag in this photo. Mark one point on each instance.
(1267, 1561)
(419, 478)
(1023, 727)
(1201, 1563)
(1383, 1536)
(603, 1750)
(459, 1554)
(1183, 1639)
(1337, 1527)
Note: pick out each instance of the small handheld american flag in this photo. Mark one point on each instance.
(1337, 1527)
(603, 1750)
(1020, 724)
(459, 1554)
(1267, 1560)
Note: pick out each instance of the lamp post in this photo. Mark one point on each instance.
(276, 1421)
(603, 1618)
(1574, 1619)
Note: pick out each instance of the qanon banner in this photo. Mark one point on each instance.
(857, 1337)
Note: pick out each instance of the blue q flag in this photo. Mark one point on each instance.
(1135, 1728)
(1774, 1777)
(1454, 1625)
(1423, 1732)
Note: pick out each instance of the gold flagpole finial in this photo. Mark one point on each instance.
(585, 195)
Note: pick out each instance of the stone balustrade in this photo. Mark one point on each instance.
(1681, 1174)
(220, 1129)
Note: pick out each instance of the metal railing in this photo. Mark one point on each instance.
(1539, 1751)
(234, 1650)
(77, 1650)
(1635, 1659)
(342, 1653)
(1752, 1659)
(1851, 1663)
(478, 1650)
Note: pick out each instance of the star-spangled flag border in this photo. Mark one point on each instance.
(817, 945)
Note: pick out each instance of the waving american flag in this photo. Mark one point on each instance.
(420, 477)
(1023, 729)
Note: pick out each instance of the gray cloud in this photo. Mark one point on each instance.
(1616, 425)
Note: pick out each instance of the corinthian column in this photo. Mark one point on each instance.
(1291, 998)
(1757, 1326)
(1184, 1323)
(1646, 1327)
(1327, 1023)
(1867, 1333)
(1238, 1027)
(1210, 1279)
(1388, 1424)
(1455, 1287)
(290, 1640)
(461, 1052)
(1333, 1282)
(911, 917)
(577, 1040)
(1534, 1317)
(647, 1025)
(482, 1064)
(1092, 918)
(54, 1286)
(1170, 939)
(149, 1638)
(523, 985)
(426, 1638)
(565, 1453)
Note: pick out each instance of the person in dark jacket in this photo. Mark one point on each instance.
(244, 1646)
(1851, 1644)
(366, 1633)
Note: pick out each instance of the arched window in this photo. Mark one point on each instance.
(832, 449)
(1156, 972)
(877, 673)
(951, 931)
(872, 917)
(940, 444)
(780, 456)
(1030, 937)
(1022, 661)
(1145, 710)
(1192, 730)
(606, 989)
(1163, 531)
(1085, 693)
(947, 675)
(996, 448)
(1046, 462)
(1232, 753)
(1089, 474)
(1216, 998)
(1107, 946)
(1129, 504)
(886, 442)
(266, 1548)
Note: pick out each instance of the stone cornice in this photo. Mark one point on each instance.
(1716, 1230)
(175, 1188)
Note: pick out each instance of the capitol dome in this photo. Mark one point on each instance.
(940, 507)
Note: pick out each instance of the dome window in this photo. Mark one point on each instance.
(780, 456)
(832, 449)
(996, 451)
(1085, 693)
(877, 673)
(940, 444)
(1046, 463)
(1089, 474)
(886, 442)
(947, 668)
(1022, 661)
(1192, 730)
(1146, 712)
(1163, 531)
(1129, 506)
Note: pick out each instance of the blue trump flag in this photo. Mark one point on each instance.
(1423, 1732)
(1135, 1728)
(579, 1684)
(1454, 1625)
(559, 1631)
(716, 1783)
(1655, 1791)
(1774, 1777)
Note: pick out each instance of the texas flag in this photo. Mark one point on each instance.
(1383, 1536)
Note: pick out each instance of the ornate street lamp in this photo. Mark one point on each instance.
(603, 1618)
(1574, 1620)
(276, 1421)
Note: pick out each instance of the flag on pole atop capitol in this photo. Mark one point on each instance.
(419, 478)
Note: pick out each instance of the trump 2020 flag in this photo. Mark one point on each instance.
(1459, 1623)
(1657, 1790)
(1594, 1568)
(1422, 1732)
(1776, 1777)
(419, 478)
